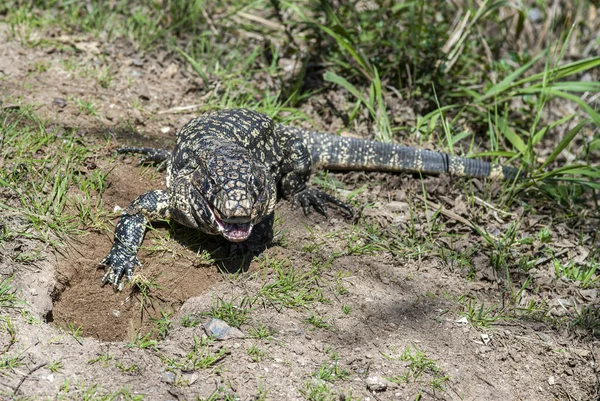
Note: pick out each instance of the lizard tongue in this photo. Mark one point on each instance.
(236, 232)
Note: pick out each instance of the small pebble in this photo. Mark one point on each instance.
(168, 377)
(220, 330)
(535, 15)
(376, 383)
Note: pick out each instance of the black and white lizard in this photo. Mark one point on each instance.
(228, 167)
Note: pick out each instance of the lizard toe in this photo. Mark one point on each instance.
(318, 200)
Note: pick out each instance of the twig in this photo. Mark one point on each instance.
(548, 258)
(41, 365)
(260, 20)
(481, 202)
(179, 109)
(450, 214)
(210, 21)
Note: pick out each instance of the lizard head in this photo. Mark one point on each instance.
(232, 193)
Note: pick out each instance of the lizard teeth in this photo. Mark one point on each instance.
(235, 232)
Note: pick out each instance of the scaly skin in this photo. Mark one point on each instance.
(227, 167)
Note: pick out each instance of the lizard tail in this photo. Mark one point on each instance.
(343, 153)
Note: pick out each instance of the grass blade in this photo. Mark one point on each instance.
(565, 142)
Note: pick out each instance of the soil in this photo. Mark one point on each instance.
(397, 302)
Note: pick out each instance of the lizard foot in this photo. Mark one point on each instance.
(319, 200)
(117, 265)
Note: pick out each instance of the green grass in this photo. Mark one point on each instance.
(143, 341)
(79, 390)
(201, 356)
(104, 358)
(261, 332)
(163, 324)
(233, 314)
(479, 315)
(419, 369)
(42, 167)
(75, 331)
(8, 296)
(255, 354)
(290, 286)
(331, 372)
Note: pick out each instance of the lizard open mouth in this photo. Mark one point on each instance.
(234, 231)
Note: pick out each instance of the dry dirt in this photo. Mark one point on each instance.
(397, 302)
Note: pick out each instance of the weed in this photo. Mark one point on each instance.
(346, 309)
(331, 373)
(317, 390)
(234, 315)
(200, 357)
(224, 394)
(418, 366)
(104, 77)
(339, 287)
(318, 322)
(94, 392)
(479, 315)
(126, 368)
(143, 342)
(8, 297)
(256, 355)
(55, 366)
(143, 287)
(261, 332)
(189, 321)
(86, 106)
(290, 288)
(584, 275)
(588, 319)
(7, 324)
(75, 331)
(205, 258)
(10, 363)
(163, 324)
(363, 239)
(104, 358)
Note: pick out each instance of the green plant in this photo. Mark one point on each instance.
(256, 355)
(585, 275)
(478, 314)
(290, 287)
(229, 312)
(419, 366)
(261, 332)
(143, 342)
(189, 321)
(318, 322)
(331, 373)
(163, 324)
(55, 366)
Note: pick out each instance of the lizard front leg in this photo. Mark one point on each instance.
(294, 183)
(129, 235)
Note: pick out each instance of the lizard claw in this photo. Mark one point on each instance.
(115, 267)
(312, 197)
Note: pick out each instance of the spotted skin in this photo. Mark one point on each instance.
(228, 168)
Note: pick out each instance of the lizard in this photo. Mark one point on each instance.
(229, 167)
